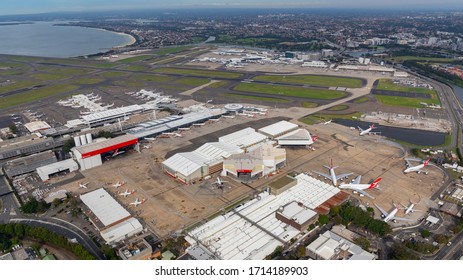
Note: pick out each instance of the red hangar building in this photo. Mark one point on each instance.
(93, 154)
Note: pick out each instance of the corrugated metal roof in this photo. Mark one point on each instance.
(232, 237)
(111, 113)
(278, 128)
(122, 230)
(217, 150)
(104, 206)
(58, 166)
(104, 144)
(243, 138)
(186, 163)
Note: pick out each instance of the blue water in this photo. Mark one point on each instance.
(458, 92)
(48, 40)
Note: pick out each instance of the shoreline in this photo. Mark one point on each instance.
(132, 41)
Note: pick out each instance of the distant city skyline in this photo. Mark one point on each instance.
(11, 7)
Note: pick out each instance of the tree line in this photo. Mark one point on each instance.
(14, 232)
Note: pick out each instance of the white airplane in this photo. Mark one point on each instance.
(146, 146)
(391, 216)
(198, 124)
(137, 202)
(127, 193)
(356, 186)
(328, 122)
(83, 185)
(219, 183)
(409, 209)
(366, 131)
(332, 176)
(183, 129)
(118, 184)
(209, 101)
(229, 117)
(117, 152)
(411, 168)
(150, 139)
(172, 134)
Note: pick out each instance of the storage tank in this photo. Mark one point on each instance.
(77, 141)
(83, 140)
(89, 138)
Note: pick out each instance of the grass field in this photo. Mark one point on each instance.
(199, 72)
(251, 97)
(151, 78)
(17, 85)
(192, 81)
(218, 84)
(164, 60)
(361, 99)
(404, 101)
(35, 94)
(63, 70)
(313, 119)
(338, 108)
(169, 50)
(387, 84)
(290, 91)
(418, 58)
(136, 68)
(87, 81)
(135, 58)
(12, 68)
(312, 80)
(309, 104)
(48, 77)
(111, 74)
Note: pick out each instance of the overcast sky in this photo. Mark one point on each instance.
(40, 6)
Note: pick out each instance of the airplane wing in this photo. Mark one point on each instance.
(357, 179)
(382, 210)
(360, 128)
(365, 193)
(322, 174)
(408, 163)
(401, 219)
(342, 176)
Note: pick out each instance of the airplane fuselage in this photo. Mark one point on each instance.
(354, 186)
(409, 209)
(333, 176)
(391, 215)
(414, 168)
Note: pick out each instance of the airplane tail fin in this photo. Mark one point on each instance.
(314, 138)
(374, 185)
(427, 162)
(372, 126)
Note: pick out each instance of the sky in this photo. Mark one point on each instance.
(8, 7)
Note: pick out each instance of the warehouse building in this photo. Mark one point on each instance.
(61, 167)
(244, 138)
(111, 219)
(277, 129)
(37, 126)
(330, 246)
(261, 161)
(26, 145)
(296, 215)
(298, 137)
(91, 155)
(252, 230)
(206, 160)
(28, 164)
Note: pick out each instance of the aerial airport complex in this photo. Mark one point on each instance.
(227, 167)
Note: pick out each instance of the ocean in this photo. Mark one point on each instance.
(48, 40)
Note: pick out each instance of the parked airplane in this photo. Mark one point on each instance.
(150, 138)
(127, 193)
(183, 129)
(356, 186)
(366, 131)
(391, 216)
(198, 124)
(146, 146)
(409, 209)
(117, 152)
(332, 176)
(83, 185)
(328, 122)
(219, 183)
(137, 202)
(411, 168)
(314, 138)
(229, 117)
(118, 184)
(172, 134)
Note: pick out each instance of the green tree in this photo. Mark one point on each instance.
(300, 252)
(323, 219)
(425, 233)
(109, 252)
(400, 252)
(30, 207)
(362, 242)
(440, 238)
(13, 128)
(56, 202)
(68, 145)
